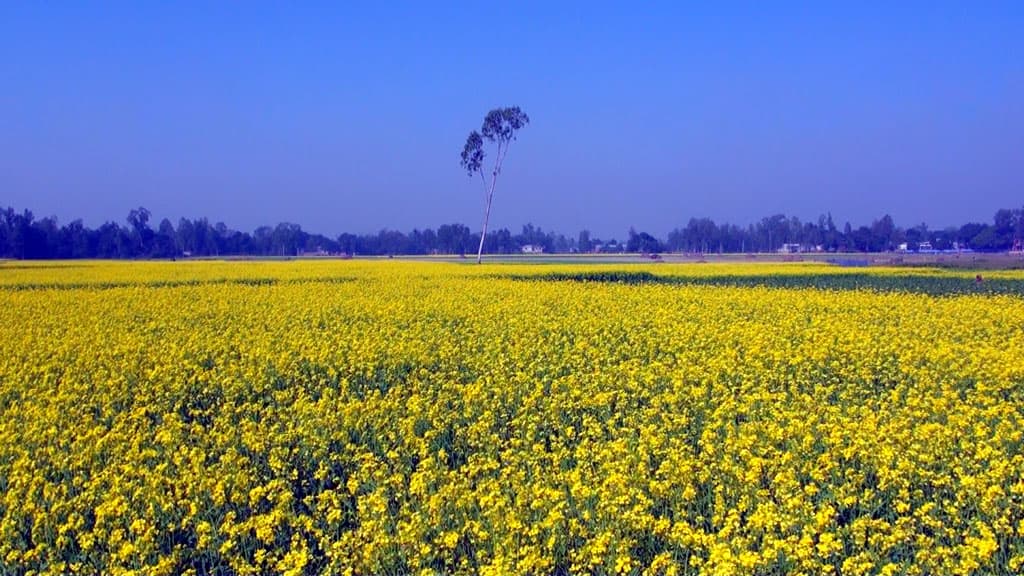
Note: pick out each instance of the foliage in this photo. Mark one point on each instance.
(23, 236)
(642, 242)
(888, 281)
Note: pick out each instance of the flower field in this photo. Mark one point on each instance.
(386, 417)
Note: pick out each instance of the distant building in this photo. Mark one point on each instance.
(790, 249)
(920, 247)
(533, 249)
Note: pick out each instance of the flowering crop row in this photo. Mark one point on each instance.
(393, 417)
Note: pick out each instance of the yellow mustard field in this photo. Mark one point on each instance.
(386, 417)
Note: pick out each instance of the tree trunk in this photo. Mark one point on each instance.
(487, 217)
(499, 158)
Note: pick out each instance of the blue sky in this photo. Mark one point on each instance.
(351, 116)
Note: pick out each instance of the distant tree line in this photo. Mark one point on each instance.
(25, 237)
(773, 232)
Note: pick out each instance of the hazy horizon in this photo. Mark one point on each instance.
(620, 235)
(351, 119)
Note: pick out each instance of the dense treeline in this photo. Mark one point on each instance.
(24, 236)
(703, 235)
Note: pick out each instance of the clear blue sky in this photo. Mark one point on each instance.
(345, 116)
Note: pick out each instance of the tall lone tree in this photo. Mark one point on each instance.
(500, 127)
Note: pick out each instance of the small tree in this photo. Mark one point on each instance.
(139, 221)
(500, 127)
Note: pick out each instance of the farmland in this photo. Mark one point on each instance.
(390, 417)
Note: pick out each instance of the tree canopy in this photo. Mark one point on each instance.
(24, 236)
